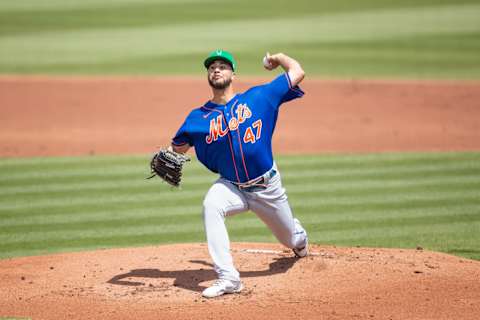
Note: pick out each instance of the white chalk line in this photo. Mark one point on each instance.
(264, 251)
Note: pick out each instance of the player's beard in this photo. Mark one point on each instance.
(220, 85)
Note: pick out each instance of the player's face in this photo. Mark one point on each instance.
(220, 74)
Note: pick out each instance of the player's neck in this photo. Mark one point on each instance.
(223, 96)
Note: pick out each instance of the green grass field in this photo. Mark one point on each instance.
(343, 38)
(384, 200)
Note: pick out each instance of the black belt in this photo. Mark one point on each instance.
(258, 184)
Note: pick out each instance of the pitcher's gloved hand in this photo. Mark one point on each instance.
(167, 164)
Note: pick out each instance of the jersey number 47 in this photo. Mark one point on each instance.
(249, 136)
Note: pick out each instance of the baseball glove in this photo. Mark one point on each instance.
(167, 164)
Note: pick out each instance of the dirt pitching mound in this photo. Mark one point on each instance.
(165, 282)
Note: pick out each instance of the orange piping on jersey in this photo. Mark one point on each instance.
(229, 140)
(240, 142)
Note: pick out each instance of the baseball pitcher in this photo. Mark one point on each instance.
(232, 136)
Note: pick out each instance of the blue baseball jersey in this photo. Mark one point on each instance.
(235, 139)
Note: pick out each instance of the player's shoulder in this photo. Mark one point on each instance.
(264, 86)
(195, 112)
(255, 90)
(192, 115)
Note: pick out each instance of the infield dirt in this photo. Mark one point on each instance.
(165, 282)
(44, 116)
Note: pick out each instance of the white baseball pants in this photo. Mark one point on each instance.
(224, 199)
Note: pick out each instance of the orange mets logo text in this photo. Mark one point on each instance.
(243, 112)
(216, 129)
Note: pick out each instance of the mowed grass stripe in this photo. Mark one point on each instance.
(289, 179)
(390, 191)
(102, 45)
(452, 227)
(102, 214)
(313, 190)
(101, 160)
(74, 14)
(357, 196)
(310, 210)
(302, 207)
(123, 175)
(157, 226)
(356, 236)
(201, 181)
(298, 202)
(23, 172)
(152, 225)
(451, 230)
(62, 5)
(167, 216)
(316, 208)
(430, 234)
(444, 238)
(99, 241)
(109, 206)
(53, 163)
(336, 207)
(191, 179)
(344, 38)
(166, 195)
(18, 168)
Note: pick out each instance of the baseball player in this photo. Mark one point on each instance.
(232, 136)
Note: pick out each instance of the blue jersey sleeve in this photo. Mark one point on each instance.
(182, 137)
(280, 90)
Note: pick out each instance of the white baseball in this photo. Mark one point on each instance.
(266, 63)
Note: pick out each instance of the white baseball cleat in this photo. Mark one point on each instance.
(302, 251)
(222, 286)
